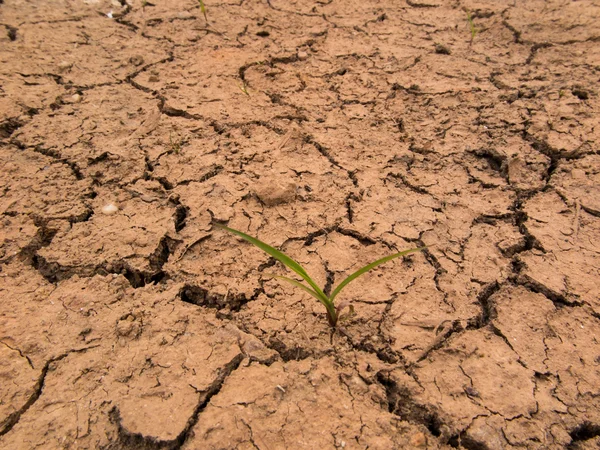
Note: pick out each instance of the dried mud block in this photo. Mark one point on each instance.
(485, 431)
(24, 96)
(306, 403)
(566, 269)
(39, 187)
(396, 208)
(461, 76)
(115, 361)
(33, 310)
(522, 317)
(417, 313)
(572, 352)
(134, 241)
(477, 372)
(557, 23)
(213, 83)
(219, 270)
(14, 12)
(18, 234)
(17, 386)
(102, 56)
(100, 145)
(272, 192)
(173, 392)
(579, 182)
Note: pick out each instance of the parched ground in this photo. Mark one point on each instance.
(339, 131)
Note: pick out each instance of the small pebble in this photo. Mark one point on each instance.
(110, 209)
(64, 66)
(76, 98)
(302, 56)
(136, 60)
(418, 440)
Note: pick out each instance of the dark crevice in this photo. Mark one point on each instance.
(139, 441)
(330, 278)
(553, 154)
(197, 295)
(174, 112)
(349, 210)
(271, 262)
(44, 236)
(323, 151)
(405, 182)
(295, 353)
(166, 184)
(520, 217)
(53, 272)
(533, 50)
(157, 260)
(382, 350)
(443, 333)
(590, 211)
(516, 33)
(210, 173)
(363, 239)
(583, 432)
(11, 32)
(558, 299)
(493, 219)
(488, 310)
(54, 154)
(9, 126)
(496, 161)
(310, 237)
(401, 403)
(180, 217)
(420, 5)
(462, 440)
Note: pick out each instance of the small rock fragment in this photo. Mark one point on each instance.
(302, 55)
(272, 194)
(63, 66)
(110, 209)
(76, 98)
(442, 49)
(418, 440)
(136, 60)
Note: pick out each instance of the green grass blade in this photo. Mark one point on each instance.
(279, 256)
(203, 9)
(368, 267)
(323, 300)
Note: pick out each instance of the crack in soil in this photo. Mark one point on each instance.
(14, 418)
(139, 441)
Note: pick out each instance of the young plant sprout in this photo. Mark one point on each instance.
(203, 9)
(333, 312)
(474, 30)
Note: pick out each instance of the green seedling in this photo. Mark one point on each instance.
(333, 312)
(472, 27)
(203, 9)
(175, 145)
(244, 88)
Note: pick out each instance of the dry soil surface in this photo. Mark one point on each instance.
(339, 131)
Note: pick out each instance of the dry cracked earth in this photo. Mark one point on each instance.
(338, 131)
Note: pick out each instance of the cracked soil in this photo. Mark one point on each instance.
(340, 132)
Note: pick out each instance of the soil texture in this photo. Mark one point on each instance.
(339, 132)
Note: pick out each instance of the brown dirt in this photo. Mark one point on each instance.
(338, 131)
